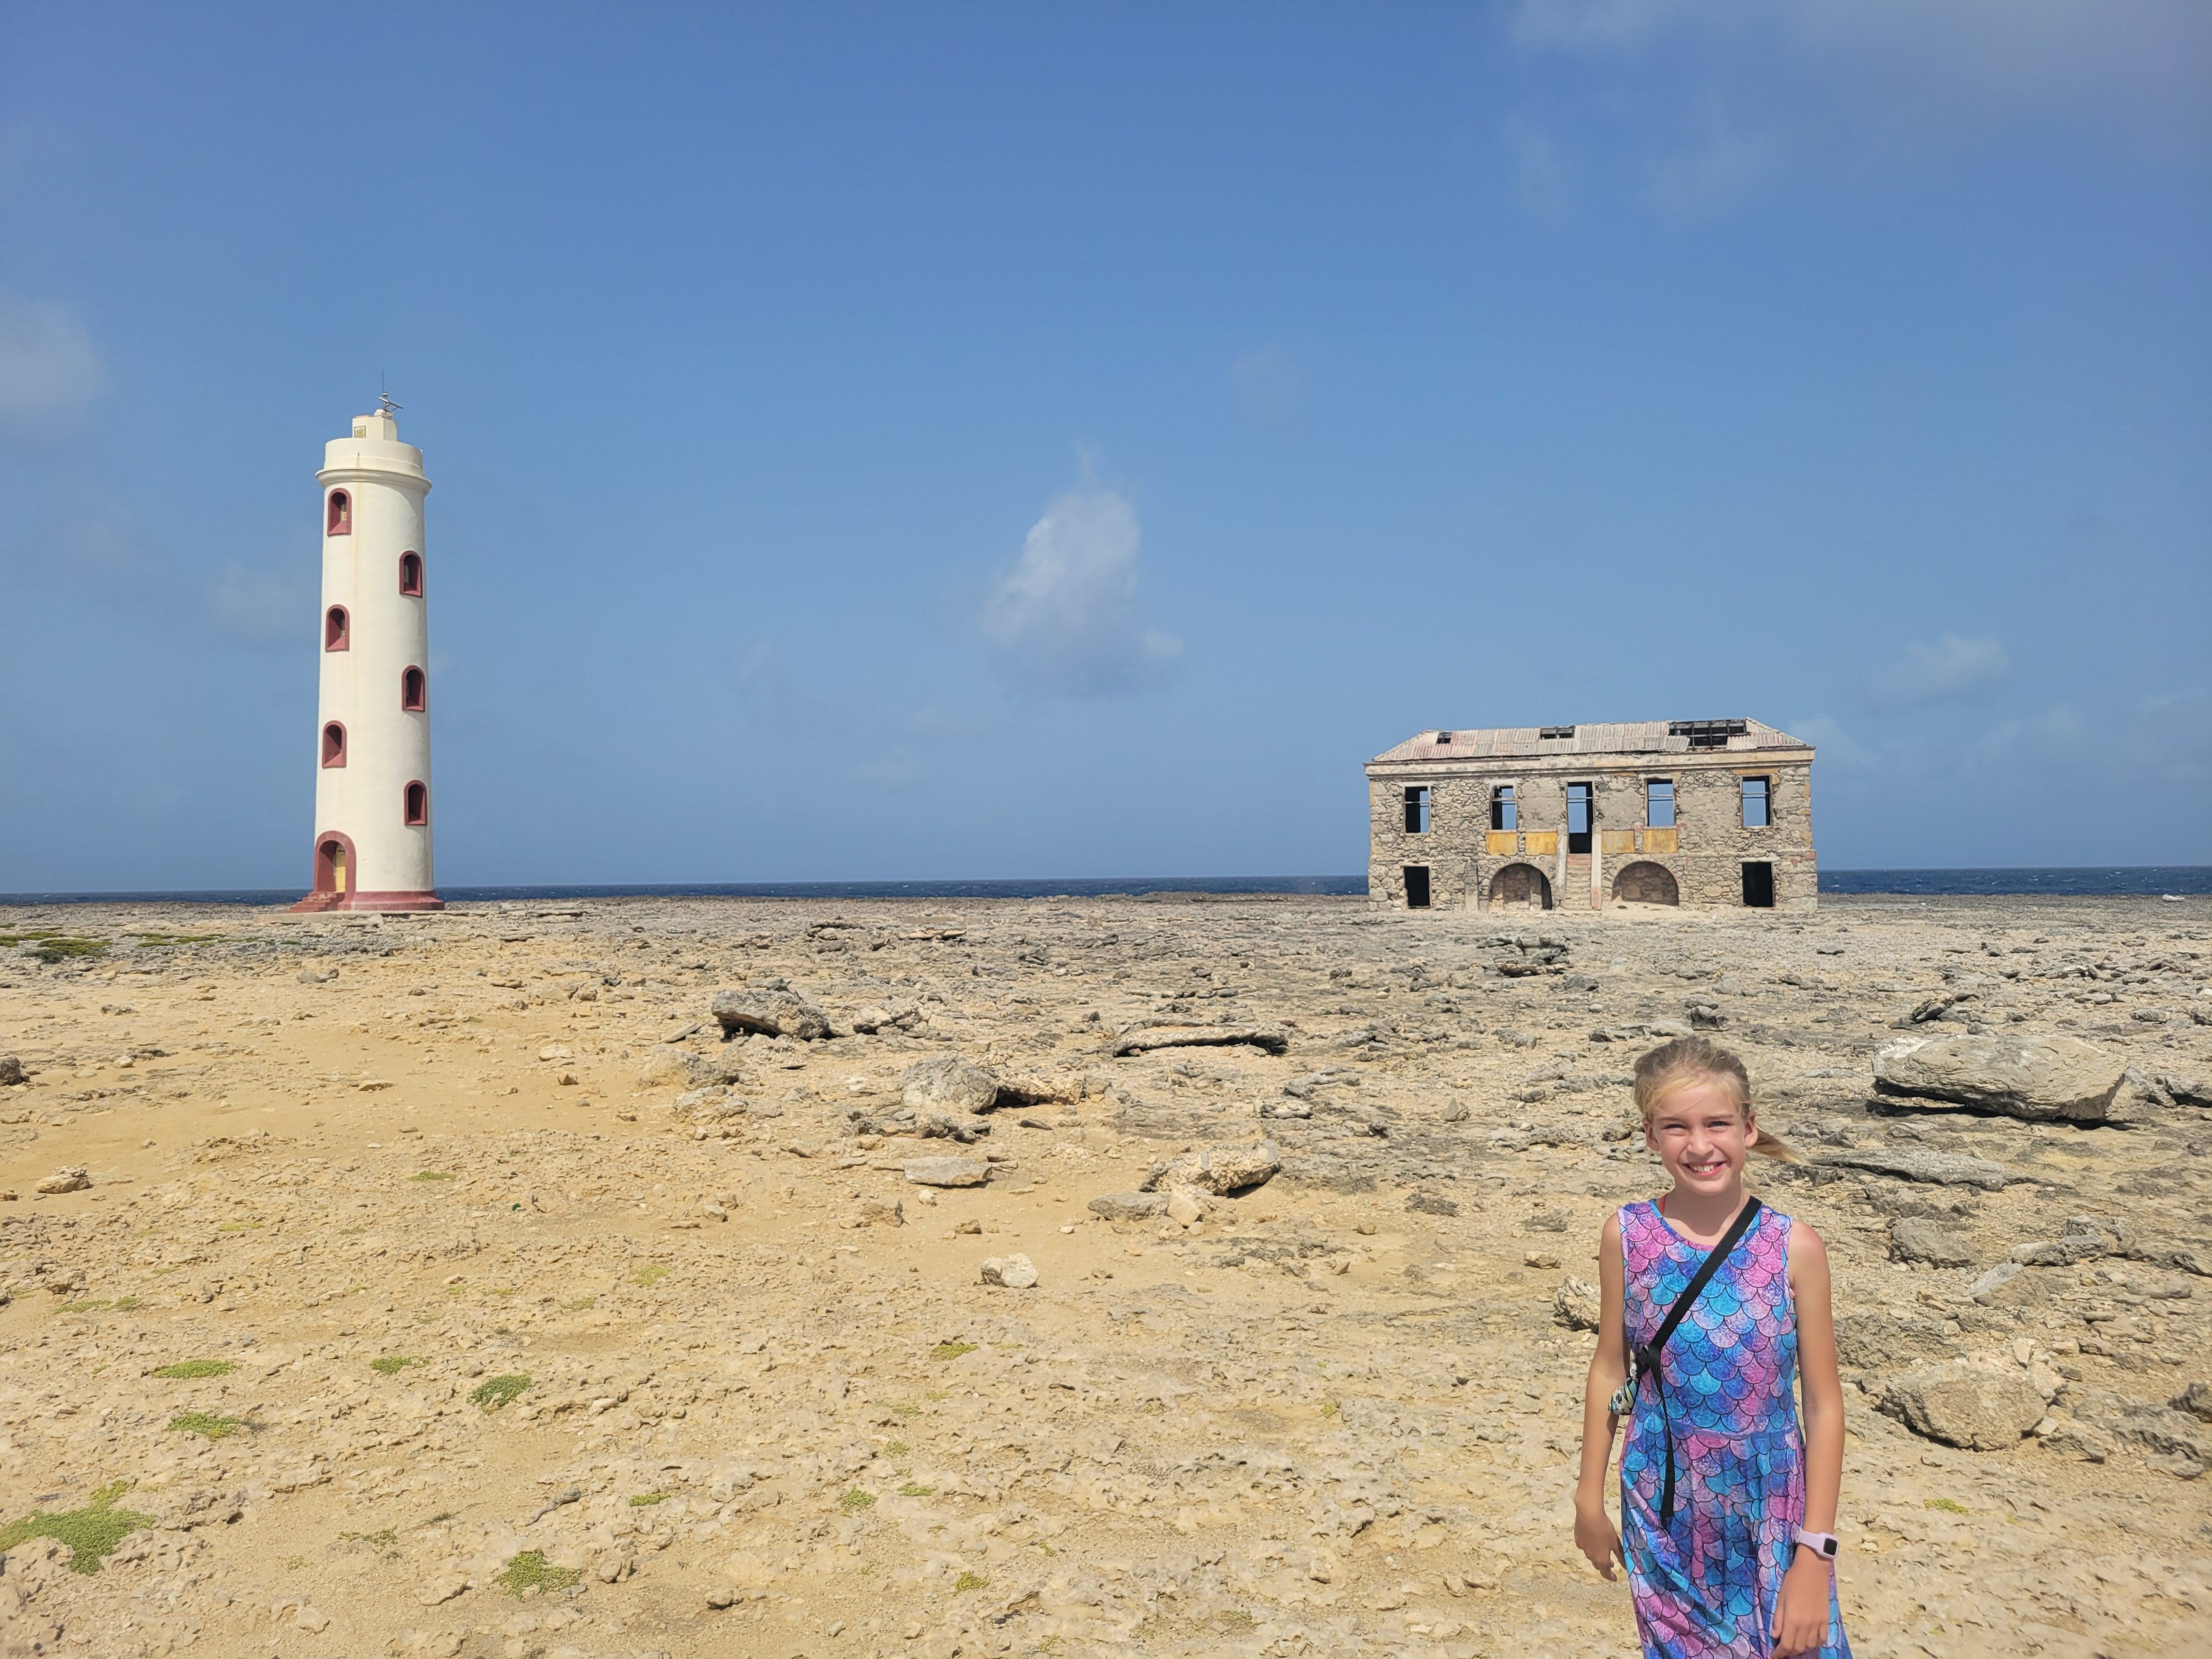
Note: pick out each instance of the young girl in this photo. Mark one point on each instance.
(1742, 1566)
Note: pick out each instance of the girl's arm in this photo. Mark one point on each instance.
(1595, 1533)
(1800, 1622)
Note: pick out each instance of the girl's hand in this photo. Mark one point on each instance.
(1801, 1616)
(1596, 1537)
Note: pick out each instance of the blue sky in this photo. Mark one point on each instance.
(888, 442)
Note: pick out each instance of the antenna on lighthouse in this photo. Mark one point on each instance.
(385, 405)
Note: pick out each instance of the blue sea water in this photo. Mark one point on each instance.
(2186, 879)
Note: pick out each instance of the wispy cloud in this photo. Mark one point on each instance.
(49, 370)
(1837, 747)
(1064, 618)
(1951, 667)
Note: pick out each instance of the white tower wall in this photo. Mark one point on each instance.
(368, 855)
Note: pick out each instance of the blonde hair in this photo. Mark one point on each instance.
(1693, 1060)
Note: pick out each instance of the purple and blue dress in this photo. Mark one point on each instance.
(1706, 1584)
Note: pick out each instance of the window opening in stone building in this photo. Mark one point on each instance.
(1759, 886)
(1708, 734)
(1416, 811)
(1659, 804)
(1504, 814)
(414, 691)
(410, 576)
(336, 637)
(1755, 804)
(1550, 731)
(1417, 887)
(1579, 813)
(334, 744)
(338, 514)
(415, 804)
(1444, 736)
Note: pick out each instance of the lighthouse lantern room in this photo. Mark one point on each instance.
(372, 794)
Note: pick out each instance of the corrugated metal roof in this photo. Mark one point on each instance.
(1619, 738)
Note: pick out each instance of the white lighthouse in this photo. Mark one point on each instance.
(374, 808)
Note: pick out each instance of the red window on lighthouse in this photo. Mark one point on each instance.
(416, 805)
(413, 691)
(410, 576)
(335, 635)
(334, 744)
(337, 514)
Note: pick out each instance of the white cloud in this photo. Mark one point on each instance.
(1064, 618)
(1268, 383)
(48, 369)
(1951, 667)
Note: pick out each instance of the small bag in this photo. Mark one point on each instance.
(1644, 1361)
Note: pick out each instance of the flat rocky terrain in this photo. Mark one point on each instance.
(454, 1285)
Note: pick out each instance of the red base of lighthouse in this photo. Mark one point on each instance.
(314, 902)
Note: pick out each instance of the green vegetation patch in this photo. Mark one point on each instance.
(91, 1533)
(391, 1364)
(951, 1349)
(1951, 1505)
(383, 1538)
(431, 1175)
(968, 1581)
(206, 1423)
(59, 949)
(641, 1500)
(531, 1570)
(896, 1448)
(856, 1500)
(581, 1304)
(651, 1273)
(915, 1489)
(85, 1307)
(127, 1303)
(496, 1391)
(189, 1368)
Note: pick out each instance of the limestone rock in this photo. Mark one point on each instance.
(773, 1009)
(1015, 1273)
(1923, 1163)
(2037, 1078)
(11, 1071)
(1966, 1404)
(666, 1067)
(948, 1083)
(898, 1016)
(1916, 1238)
(1273, 1039)
(2196, 1400)
(948, 1171)
(73, 1178)
(1220, 1171)
(1129, 1207)
(1184, 1208)
(2076, 1440)
(1575, 1305)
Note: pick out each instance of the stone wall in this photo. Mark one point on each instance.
(1711, 845)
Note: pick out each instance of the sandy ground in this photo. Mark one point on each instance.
(770, 1408)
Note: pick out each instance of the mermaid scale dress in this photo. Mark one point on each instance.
(1705, 1586)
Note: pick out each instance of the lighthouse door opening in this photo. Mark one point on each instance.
(331, 867)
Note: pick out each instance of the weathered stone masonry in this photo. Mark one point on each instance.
(1585, 827)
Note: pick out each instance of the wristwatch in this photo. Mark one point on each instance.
(1822, 1544)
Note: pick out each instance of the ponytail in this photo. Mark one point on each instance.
(1690, 1058)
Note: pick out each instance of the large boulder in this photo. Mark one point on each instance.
(1129, 1207)
(1923, 1164)
(946, 1083)
(948, 1171)
(1963, 1403)
(773, 1009)
(1217, 1170)
(11, 1071)
(1576, 1304)
(2038, 1077)
(668, 1067)
(1916, 1238)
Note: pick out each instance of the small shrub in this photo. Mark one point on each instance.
(85, 1307)
(190, 1368)
(391, 1364)
(651, 1273)
(969, 1581)
(91, 1533)
(207, 1422)
(127, 1303)
(531, 1570)
(51, 950)
(896, 1448)
(431, 1174)
(496, 1391)
(915, 1489)
(581, 1304)
(951, 1349)
(906, 1413)
(1950, 1504)
(856, 1500)
(646, 1500)
(383, 1538)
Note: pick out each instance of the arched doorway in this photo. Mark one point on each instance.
(335, 873)
(1522, 883)
(1645, 883)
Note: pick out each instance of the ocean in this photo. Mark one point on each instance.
(2183, 880)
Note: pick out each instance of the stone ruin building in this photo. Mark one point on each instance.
(1709, 813)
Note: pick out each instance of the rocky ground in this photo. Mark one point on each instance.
(450, 1285)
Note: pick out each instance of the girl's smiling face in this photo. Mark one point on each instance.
(1702, 1134)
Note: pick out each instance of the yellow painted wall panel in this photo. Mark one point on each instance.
(1502, 843)
(1660, 841)
(1618, 841)
(1543, 844)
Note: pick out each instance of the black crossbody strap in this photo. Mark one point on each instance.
(1646, 1358)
